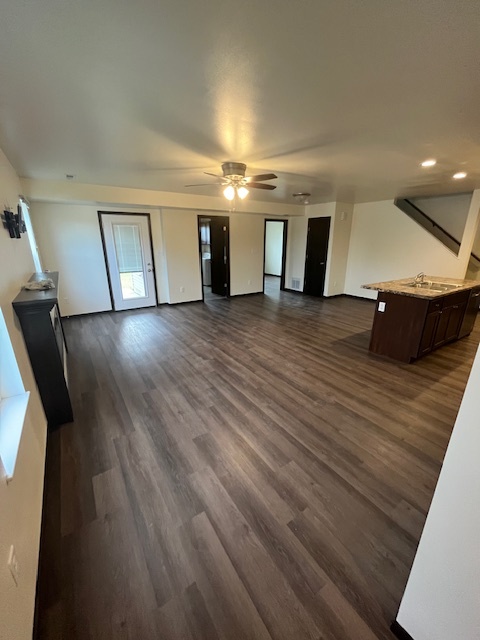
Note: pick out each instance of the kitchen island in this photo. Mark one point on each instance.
(416, 315)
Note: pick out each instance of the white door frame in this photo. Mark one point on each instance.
(106, 221)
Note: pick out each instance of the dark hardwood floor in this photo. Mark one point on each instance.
(240, 469)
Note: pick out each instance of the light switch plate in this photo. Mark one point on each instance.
(381, 306)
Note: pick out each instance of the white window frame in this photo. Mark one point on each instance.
(13, 403)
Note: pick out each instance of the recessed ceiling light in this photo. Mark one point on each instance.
(429, 163)
(460, 175)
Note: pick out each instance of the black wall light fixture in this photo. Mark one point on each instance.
(13, 222)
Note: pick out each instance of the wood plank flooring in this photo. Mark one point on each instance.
(242, 469)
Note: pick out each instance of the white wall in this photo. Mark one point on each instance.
(386, 244)
(273, 248)
(69, 239)
(21, 499)
(68, 235)
(442, 596)
(449, 211)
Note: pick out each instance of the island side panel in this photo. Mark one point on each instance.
(397, 330)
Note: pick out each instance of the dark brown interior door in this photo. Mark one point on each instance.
(316, 257)
(219, 237)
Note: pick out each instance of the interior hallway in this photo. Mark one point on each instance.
(240, 470)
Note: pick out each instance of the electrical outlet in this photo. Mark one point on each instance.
(381, 306)
(182, 289)
(13, 565)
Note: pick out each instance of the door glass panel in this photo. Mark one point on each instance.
(128, 249)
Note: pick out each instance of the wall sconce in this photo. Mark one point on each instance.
(14, 222)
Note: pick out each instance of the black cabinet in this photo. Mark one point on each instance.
(471, 313)
(42, 329)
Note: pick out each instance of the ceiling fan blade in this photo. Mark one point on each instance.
(215, 175)
(259, 185)
(263, 176)
(204, 184)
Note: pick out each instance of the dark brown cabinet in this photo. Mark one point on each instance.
(429, 332)
(42, 329)
(407, 327)
(471, 313)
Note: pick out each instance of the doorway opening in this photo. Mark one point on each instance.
(214, 247)
(127, 245)
(316, 256)
(274, 256)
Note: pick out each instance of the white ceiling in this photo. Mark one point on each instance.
(338, 97)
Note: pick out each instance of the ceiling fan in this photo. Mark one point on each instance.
(235, 182)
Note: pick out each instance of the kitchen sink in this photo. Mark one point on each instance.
(433, 286)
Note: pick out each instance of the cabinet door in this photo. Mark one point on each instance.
(441, 332)
(429, 332)
(454, 321)
(470, 313)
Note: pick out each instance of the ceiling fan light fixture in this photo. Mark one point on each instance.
(242, 192)
(302, 197)
(229, 192)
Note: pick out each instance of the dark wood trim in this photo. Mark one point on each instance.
(399, 631)
(284, 251)
(326, 257)
(213, 215)
(293, 290)
(199, 217)
(126, 213)
(244, 295)
(349, 295)
(176, 304)
(102, 235)
(284, 255)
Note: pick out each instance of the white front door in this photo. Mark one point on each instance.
(129, 260)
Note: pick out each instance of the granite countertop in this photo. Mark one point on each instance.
(400, 287)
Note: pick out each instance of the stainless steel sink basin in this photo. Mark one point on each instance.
(433, 286)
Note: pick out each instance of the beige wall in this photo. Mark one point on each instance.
(442, 596)
(386, 244)
(180, 229)
(338, 243)
(21, 498)
(273, 248)
(69, 242)
(246, 253)
(69, 238)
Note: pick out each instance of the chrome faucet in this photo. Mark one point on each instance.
(419, 278)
